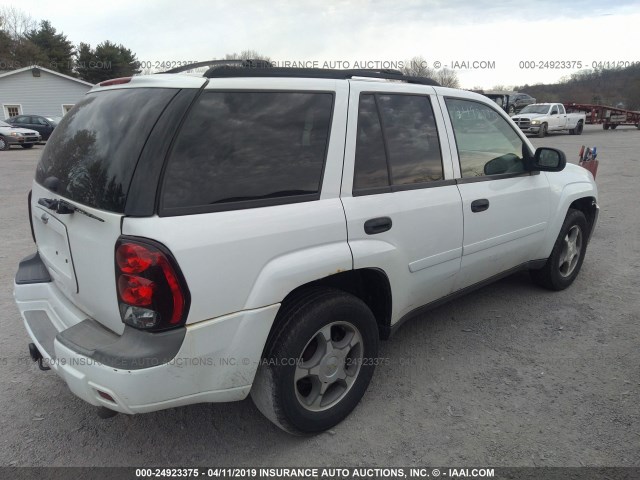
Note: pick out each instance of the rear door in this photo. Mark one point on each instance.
(403, 209)
(80, 189)
(505, 207)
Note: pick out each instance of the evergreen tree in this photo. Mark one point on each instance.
(54, 46)
(106, 61)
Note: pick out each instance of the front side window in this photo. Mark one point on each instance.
(397, 142)
(239, 147)
(487, 144)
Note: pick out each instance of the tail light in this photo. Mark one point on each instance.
(152, 293)
(115, 81)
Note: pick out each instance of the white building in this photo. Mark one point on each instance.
(39, 91)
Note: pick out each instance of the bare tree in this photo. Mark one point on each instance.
(16, 23)
(447, 78)
(15, 48)
(247, 55)
(147, 71)
(503, 88)
(418, 67)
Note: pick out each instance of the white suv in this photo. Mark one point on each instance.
(258, 230)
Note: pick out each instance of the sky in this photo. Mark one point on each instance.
(487, 43)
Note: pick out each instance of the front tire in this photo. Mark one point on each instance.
(4, 145)
(543, 130)
(28, 145)
(318, 361)
(565, 261)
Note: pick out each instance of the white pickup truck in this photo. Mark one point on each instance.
(540, 118)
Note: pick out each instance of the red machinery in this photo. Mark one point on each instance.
(609, 117)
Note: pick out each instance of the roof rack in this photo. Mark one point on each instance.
(219, 63)
(263, 68)
(228, 71)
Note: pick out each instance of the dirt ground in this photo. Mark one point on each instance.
(511, 375)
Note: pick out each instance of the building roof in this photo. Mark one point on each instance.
(20, 70)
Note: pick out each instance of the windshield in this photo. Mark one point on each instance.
(535, 109)
(54, 120)
(4, 124)
(90, 157)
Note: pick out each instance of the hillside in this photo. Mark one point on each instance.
(605, 87)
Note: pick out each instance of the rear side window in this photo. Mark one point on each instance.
(93, 152)
(371, 160)
(397, 145)
(248, 149)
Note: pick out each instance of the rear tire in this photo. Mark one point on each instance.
(318, 361)
(565, 261)
(579, 128)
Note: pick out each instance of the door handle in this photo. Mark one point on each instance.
(377, 225)
(479, 205)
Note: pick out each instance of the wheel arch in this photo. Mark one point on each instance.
(588, 206)
(577, 195)
(371, 285)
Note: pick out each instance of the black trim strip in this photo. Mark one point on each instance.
(242, 205)
(401, 188)
(502, 176)
(530, 265)
(133, 350)
(417, 186)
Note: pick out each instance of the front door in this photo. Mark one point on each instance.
(505, 207)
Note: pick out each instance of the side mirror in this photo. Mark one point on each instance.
(549, 160)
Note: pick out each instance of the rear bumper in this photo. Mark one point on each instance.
(211, 361)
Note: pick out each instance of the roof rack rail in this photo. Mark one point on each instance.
(227, 71)
(221, 63)
(264, 68)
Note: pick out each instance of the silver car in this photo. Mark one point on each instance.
(10, 135)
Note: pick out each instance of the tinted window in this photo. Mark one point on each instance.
(412, 139)
(371, 161)
(23, 120)
(243, 146)
(91, 155)
(487, 144)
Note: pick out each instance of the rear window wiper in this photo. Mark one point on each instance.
(62, 207)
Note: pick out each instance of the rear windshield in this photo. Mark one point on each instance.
(92, 153)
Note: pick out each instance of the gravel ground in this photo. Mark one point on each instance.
(511, 375)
